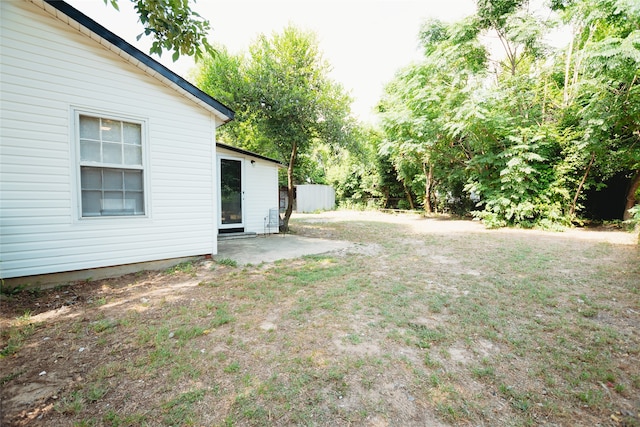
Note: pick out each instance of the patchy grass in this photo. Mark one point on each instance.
(227, 261)
(425, 322)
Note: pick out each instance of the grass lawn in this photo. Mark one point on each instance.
(423, 322)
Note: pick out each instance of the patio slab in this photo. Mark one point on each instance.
(270, 248)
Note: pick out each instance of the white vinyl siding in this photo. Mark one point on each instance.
(52, 72)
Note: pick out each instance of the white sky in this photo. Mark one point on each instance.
(365, 41)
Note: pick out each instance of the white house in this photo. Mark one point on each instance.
(106, 156)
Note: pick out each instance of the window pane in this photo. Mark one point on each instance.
(132, 133)
(132, 155)
(112, 153)
(91, 205)
(89, 128)
(112, 202)
(134, 201)
(89, 150)
(133, 180)
(111, 130)
(113, 179)
(91, 179)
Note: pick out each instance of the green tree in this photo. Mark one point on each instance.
(283, 97)
(359, 174)
(530, 141)
(601, 94)
(173, 26)
(419, 104)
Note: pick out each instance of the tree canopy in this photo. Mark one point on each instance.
(528, 137)
(285, 102)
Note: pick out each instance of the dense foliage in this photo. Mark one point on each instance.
(527, 137)
(286, 105)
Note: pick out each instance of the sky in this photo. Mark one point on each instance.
(364, 41)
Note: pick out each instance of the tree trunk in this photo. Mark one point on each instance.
(408, 193)
(572, 211)
(631, 196)
(386, 197)
(567, 69)
(289, 210)
(428, 207)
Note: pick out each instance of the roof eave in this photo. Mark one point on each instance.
(249, 153)
(133, 55)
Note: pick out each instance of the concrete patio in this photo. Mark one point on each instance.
(270, 248)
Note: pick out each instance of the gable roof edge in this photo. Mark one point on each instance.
(248, 153)
(139, 58)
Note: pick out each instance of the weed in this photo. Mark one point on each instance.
(10, 377)
(227, 262)
(187, 332)
(430, 362)
(187, 267)
(221, 317)
(518, 400)
(590, 397)
(99, 302)
(438, 302)
(114, 419)
(25, 318)
(15, 337)
(179, 411)
(96, 392)
(209, 284)
(427, 336)
(353, 338)
(103, 325)
(85, 423)
(71, 405)
(484, 371)
(12, 290)
(232, 367)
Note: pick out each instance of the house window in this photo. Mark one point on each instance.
(111, 167)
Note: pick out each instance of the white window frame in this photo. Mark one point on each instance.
(79, 163)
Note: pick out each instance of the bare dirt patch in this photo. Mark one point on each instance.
(423, 321)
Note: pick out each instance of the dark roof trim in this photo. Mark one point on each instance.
(248, 153)
(121, 44)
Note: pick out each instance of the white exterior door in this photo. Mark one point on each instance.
(231, 199)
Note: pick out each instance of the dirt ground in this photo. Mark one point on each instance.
(60, 339)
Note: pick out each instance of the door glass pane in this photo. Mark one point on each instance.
(231, 191)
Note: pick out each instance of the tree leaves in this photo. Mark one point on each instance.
(173, 26)
(529, 142)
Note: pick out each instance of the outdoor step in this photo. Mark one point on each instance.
(232, 236)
